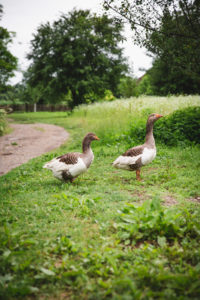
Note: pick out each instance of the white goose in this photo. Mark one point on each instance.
(139, 156)
(69, 166)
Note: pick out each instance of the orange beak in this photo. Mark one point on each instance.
(159, 116)
(96, 138)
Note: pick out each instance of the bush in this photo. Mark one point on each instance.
(108, 96)
(3, 124)
(182, 126)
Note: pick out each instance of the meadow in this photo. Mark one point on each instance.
(106, 235)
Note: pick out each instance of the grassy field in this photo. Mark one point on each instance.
(106, 236)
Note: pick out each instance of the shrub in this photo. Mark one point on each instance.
(182, 126)
(3, 123)
(108, 96)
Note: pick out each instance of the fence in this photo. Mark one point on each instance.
(31, 108)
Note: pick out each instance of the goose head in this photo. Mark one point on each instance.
(154, 117)
(87, 140)
(91, 137)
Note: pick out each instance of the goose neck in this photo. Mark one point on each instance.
(86, 145)
(149, 139)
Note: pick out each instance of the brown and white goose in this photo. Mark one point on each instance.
(71, 165)
(139, 156)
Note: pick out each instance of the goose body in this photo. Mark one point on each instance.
(71, 165)
(131, 163)
(135, 158)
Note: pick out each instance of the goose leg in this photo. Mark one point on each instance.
(138, 175)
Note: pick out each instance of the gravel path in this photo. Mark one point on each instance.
(28, 141)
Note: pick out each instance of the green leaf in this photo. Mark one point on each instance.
(47, 272)
(161, 241)
(6, 253)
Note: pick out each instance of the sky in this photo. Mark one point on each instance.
(24, 17)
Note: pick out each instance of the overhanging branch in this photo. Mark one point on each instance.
(147, 27)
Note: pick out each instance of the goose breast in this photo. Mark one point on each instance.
(148, 155)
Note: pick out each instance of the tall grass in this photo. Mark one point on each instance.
(116, 116)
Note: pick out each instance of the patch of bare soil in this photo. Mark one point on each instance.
(195, 199)
(169, 201)
(140, 196)
(28, 141)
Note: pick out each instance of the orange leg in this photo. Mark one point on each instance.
(138, 175)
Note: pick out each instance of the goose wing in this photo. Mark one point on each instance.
(69, 165)
(69, 158)
(134, 152)
(63, 162)
(129, 160)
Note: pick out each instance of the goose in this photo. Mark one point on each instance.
(135, 158)
(69, 166)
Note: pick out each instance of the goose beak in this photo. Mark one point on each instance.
(159, 116)
(96, 138)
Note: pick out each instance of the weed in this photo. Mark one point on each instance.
(157, 224)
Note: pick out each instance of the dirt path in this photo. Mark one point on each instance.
(28, 141)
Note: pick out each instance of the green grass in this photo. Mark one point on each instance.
(106, 236)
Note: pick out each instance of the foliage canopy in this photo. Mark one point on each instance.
(170, 30)
(127, 87)
(77, 53)
(8, 62)
(146, 17)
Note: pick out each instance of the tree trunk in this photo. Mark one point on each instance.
(76, 99)
(35, 107)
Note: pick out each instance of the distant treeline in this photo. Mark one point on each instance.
(78, 59)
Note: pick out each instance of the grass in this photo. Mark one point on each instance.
(106, 236)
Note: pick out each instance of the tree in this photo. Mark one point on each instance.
(8, 62)
(127, 87)
(170, 30)
(145, 85)
(167, 78)
(146, 17)
(78, 53)
(15, 94)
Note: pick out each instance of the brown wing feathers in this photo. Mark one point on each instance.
(134, 151)
(69, 158)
